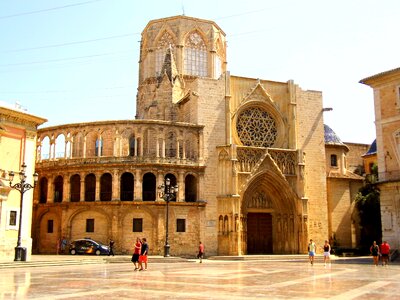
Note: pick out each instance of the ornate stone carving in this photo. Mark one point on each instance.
(259, 200)
(256, 127)
(286, 161)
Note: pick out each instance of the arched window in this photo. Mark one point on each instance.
(190, 188)
(132, 145)
(60, 146)
(333, 160)
(106, 187)
(195, 62)
(58, 188)
(77, 146)
(170, 147)
(43, 190)
(75, 188)
(99, 147)
(45, 148)
(126, 189)
(163, 43)
(172, 180)
(90, 187)
(149, 187)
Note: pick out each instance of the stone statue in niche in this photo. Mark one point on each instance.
(259, 200)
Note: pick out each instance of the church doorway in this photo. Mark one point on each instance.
(259, 233)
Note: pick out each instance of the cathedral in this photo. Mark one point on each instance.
(253, 168)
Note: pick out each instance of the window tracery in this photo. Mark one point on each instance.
(163, 43)
(195, 62)
(256, 127)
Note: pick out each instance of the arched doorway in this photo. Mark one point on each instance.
(270, 209)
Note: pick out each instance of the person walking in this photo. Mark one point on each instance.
(111, 245)
(63, 245)
(385, 251)
(144, 251)
(136, 253)
(327, 252)
(374, 249)
(200, 255)
(311, 251)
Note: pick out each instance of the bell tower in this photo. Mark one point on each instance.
(174, 52)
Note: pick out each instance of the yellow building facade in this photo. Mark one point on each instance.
(249, 157)
(17, 146)
(386, 89)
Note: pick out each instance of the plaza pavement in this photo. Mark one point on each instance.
(248, 277)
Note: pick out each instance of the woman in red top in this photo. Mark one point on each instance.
(385, 251)
(136, 253)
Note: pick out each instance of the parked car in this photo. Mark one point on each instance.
(88, 246)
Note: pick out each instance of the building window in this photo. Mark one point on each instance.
(163, 43)
(398, 96)
(99, 147)
(89, 225)
(195, 62)
(50, 224)
(180, 225)
(334, 160)
(137, 225)
(13, 218)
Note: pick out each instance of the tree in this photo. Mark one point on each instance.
(369, 211)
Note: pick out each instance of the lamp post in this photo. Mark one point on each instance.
(168, 193)
(22, 187)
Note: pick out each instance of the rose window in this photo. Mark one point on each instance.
(256, 128)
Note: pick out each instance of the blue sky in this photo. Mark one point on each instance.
(77, 60)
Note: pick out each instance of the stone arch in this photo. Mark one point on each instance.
(166, 38)
(170, 144)
(150, 228)
(77, 145)
(150, 142)
(149, 187)
(58, 188)
(127, 186)
(107, 138)
(195, 61)
(47, 243)
(75, 188)
(191, 185)
(45, 148)
(77, 224)
(59, 145)
(269, 198)
(106, 187)
(90, 187)
(43, 189)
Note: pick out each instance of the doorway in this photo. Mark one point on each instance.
(259, 233)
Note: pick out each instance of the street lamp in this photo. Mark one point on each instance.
(22, 187)
(168, 193)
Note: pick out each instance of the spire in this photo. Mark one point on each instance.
(169, 66)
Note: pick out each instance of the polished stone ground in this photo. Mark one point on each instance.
(213, 279)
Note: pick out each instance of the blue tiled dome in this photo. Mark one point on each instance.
(372, 148)
(331, 137)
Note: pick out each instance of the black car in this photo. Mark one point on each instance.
(88, 246)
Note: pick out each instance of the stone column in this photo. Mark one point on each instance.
(181, 186)
(66, 189)
(82, 187)
(97, 194)
(138, 186)
(116, 186)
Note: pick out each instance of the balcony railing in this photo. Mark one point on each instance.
(124, 159)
